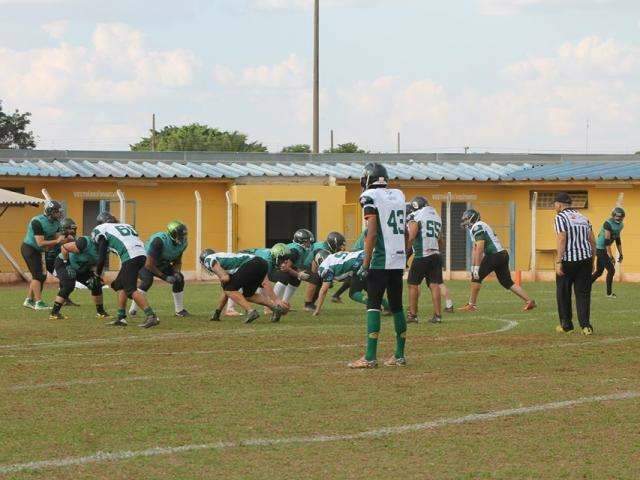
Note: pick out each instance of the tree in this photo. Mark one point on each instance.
(349, 147)
(196, 137)
(299, 148)
(13, 130)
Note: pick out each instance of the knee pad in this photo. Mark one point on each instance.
(65, 289)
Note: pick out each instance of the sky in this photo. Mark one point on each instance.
(491, 75)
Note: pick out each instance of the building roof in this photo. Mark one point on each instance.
(7, 197)
(437, 167)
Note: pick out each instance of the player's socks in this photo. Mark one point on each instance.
(279, 289)
(449, 303)
(56, 308)
(373, 331)
(400, 324)
(288, 292)
(100, 309)
(178, 300)
(122, 313)
(149, 311)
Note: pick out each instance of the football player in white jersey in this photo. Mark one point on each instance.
(123, 240)
(488, 256)
(424, 226)
(383, 262)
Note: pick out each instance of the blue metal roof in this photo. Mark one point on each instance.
(219, 170)
(207, 165)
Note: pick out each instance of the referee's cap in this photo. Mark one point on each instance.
(563, 197)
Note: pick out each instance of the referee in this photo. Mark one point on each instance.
(574, 264)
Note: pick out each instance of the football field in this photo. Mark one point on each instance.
(492, 394)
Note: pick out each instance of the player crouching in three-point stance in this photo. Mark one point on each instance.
(123, 240)
(342, 266)
(424, 226)
(609, 233)
(383, 262)
(241, 275)
(76, 263)
(164, 260)
(488, 256)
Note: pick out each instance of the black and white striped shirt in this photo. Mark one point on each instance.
(578, 230)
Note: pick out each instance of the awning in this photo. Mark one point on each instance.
(7, 197)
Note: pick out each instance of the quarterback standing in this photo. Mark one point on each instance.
(383, 262)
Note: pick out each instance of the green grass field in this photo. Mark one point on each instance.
(198, 399)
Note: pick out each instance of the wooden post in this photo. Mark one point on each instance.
(534, 211)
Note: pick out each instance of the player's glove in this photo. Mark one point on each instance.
(362, 272)
(475, 272)
(620, 258)
(304, 276)
(170, 279)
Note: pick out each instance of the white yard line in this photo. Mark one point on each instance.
(100, 457)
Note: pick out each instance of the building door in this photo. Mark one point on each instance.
(284, 218)
(90, 210)
(458, 236)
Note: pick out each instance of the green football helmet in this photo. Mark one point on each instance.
(177, 231)
(105, 217)
(469, 217)
(618, 214)
(53, 210)
(374, 175)
(280, 252)
(205, 253)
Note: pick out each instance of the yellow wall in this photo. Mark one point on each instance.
(160, 201)
(157, 203)
(251, 199)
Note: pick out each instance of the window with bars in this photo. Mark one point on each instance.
(580, 199)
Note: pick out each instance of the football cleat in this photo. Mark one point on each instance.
(120, 322)
(450, 309)
(251, 316)
(40, 305)
(215, 316)
(58, 316)
(587, 331)
(363, 363)
(183, 313)
(309, 307)
(612, 295)
(103, 315)
(435, 319)
(336, 299)
(28, 303)
(277, 314)
(395, 362)
(412, 318)
(151, 321)
(468, 308)
(530, 305)
(560, 329)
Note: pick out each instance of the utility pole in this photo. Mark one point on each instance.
(586, 143)
(466, 150)
(153, 132)
(332, 141)
(316, 76)
(398, 142)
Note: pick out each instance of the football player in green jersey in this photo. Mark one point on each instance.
(609, 233)
(334, 243)
(384, 261)
(286, 283)
(488, 256)
(43, 233)
(76, 263)
(244, 278)
(70, 231)
(164, 260)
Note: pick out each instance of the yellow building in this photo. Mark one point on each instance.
(253, 200)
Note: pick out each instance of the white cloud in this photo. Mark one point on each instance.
(56, 29)
(116, 67)
(290, 73)
(540, 102)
